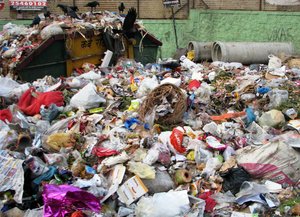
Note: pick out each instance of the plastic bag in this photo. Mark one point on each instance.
(87, 98)
(274, 62)
(234, 178)
(272, 118)
(162, 182)
(51, 30)
(146, 86)
(203, 93)
(211, 166)
(281, 167)
(6, 115)
(201, 154)
(170, 204)
(176, 139)
(277, 97)
(144, 171)
(175, 81)
(10, 88)
(92, 75)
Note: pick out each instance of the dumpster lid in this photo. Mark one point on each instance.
(149, 36)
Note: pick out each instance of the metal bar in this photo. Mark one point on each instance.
(174, 25)
(45, 64)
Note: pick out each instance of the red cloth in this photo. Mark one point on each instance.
(31, 101)
(209, 202)
(6, 114)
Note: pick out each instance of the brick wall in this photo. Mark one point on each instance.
(154, 9)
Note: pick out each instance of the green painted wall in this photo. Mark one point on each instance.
(213, 25)
(218, 25)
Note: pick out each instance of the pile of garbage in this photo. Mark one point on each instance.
(19, 41)
(172, 138)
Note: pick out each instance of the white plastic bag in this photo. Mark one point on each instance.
(170, 204)
(147, 85)
(87, 98)
(91, 75)
(274, 62)
(51, 30)
(10, 88)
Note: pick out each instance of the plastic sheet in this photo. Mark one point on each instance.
(61, 200)
(169, 204)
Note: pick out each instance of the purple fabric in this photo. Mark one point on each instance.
(60, 200)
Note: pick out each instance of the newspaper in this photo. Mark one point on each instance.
(11, 175)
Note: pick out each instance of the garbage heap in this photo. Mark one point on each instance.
(172, 138)
(19, 41)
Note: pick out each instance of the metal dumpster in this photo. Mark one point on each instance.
(60, 55)
(48, 59)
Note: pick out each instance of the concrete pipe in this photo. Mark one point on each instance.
(248, 52)
(202, 50)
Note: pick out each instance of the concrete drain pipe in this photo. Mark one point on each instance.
(202, 50)
(249, 52)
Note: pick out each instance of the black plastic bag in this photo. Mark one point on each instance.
(234, 178)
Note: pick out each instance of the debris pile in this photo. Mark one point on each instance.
(172, 138)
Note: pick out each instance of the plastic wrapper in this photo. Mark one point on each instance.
(176, 139)
(111, 161)
(56, 159)
(170, 204)
(87, 98)
(277, 97)
(202, 155)
(203, 93)
(250, 191)
(144, 171)
(214, 143)
(72, 199)
(146, 86)
(96, 181)
(152, 156)
(104, 152)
